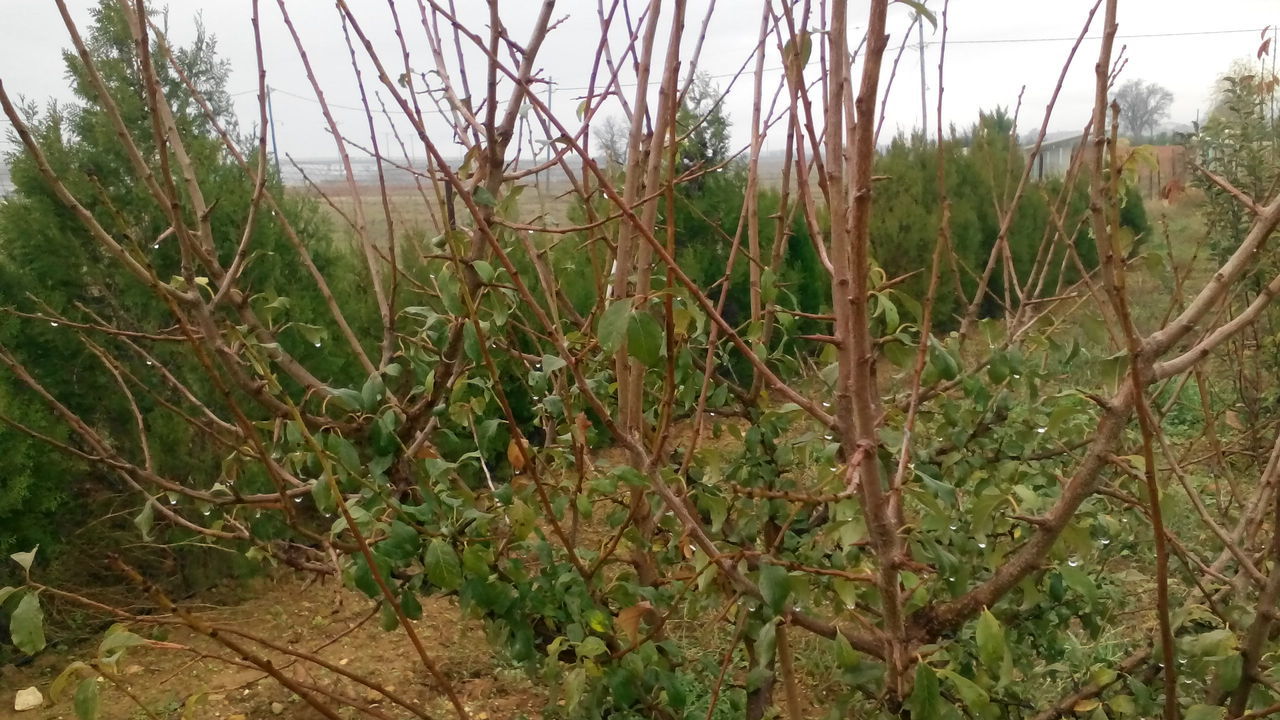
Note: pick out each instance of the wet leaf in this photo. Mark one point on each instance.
(775, 587)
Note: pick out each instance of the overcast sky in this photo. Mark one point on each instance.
(996, 47)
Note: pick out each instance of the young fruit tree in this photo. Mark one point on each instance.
(664, 501)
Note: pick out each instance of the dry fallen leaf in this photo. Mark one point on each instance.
(628, 619)
(518, 455)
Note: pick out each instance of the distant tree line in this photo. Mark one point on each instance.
(983, 164)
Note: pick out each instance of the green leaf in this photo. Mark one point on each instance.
(974, 697)
(362, 575)
(146, 519)
(575, 681)
(484, 270)
(846, 656)
(1204, 712)
(372, 392)
(941, 361)
(1219, 643)
(911, 304)
(1230, 671)
(522, 519)
(444, 570)
(482, 196)
(795, 55)
(59, 684)
(347, 398)
(25, 558)
(26, 625)
(613, 325)
(1064, 412)
(768, 286)
(410, 605)
(991, 644)
(591, 646)
(716, 507)
(644, 339)
(86, 700)
(775, 586)
(922, 11)
(1122, 705)
(886, 306)
(552, 362)
(926, 697)
(387, 618)
(488, 434)
(1080, 581)
(476, 560)
(401, 544)
(311, 333)
(471, 343)
(118, 639)
(322, 495)
(901, 355)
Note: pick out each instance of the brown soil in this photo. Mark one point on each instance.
(181, 684)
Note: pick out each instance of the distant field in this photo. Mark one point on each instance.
(411, 212)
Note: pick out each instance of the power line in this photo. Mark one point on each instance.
(930, 43)
(1135, 36)
(1004, 41)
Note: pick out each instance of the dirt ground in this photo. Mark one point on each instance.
(325, 619)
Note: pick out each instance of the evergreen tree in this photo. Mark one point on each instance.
(48, 265)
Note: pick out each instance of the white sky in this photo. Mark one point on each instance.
(978, 74)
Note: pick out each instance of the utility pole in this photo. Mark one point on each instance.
(271, 120)
(924, 88)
